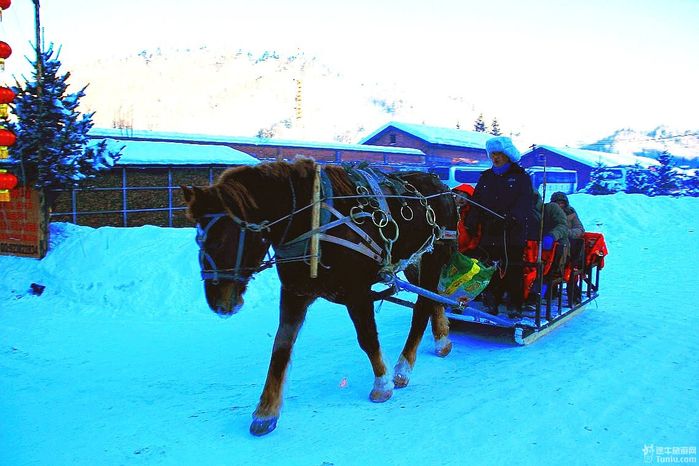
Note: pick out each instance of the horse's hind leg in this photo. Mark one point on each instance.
(440, 331)
(292, 313)
(361, 311)
(406, 361)
(439, 321)
(430, 268)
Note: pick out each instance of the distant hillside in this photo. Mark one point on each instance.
(683, 145)
(242, 94)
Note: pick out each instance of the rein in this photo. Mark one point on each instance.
(210, 271)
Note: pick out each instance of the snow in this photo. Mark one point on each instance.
(437, 135)
(174, 153)
(120, 361)
(219, 139)
(592, 157)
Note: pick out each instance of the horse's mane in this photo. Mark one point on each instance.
(231, 188)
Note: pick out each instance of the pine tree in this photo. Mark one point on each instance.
(495, 128)
(479, 125)
(637, 180)
(665, 180)
(601, 181)
(52, 144)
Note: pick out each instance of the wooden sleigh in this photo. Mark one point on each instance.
(567, 295)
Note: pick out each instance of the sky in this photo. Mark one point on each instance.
(581, 69)
(120, 361)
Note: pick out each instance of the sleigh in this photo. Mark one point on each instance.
(567, 294)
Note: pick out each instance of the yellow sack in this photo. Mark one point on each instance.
(464, 277)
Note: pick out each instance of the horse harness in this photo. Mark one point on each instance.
(372, 205)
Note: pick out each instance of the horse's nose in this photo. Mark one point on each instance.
(222, 312)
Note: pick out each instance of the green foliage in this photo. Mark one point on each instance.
(637, 178)
(495, 128)
(52, 144)
(602, 181)
(664, 179)
(479, 125)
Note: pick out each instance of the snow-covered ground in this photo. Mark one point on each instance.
(120, 361)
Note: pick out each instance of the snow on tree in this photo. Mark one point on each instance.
(52, 148)
(637, 178)
(665, 179)
(602, 181)
(495, 128)
(479, 125)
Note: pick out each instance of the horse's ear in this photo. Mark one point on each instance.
(187, 192)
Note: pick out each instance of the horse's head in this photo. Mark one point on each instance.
(230, 248)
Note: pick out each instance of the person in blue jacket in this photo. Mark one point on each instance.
(504, 189)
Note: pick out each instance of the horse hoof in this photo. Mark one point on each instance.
(400, 380)
(260, 427)
(380, 396)
(443, 348)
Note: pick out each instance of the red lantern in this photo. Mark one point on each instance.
(5, 52)
(6, 95)
(7, 137)
(7, 180)
(4, 5)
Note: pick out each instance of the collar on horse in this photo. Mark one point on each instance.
(370, 194)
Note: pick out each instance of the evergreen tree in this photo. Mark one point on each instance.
(52, 144)
(665, 180)
(637, 179)
(479, 125)
(602, 181)
(495, 128)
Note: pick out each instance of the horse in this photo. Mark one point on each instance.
(365, 233)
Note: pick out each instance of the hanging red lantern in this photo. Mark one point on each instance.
(7, 180)
(7, 137)
(6, 97)
(5, 52)
(4, 5)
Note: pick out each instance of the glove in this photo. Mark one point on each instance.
(547, 242)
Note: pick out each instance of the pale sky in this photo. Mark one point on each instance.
(579, 69)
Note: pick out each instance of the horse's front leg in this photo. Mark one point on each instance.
(292, 314)
(361, 311)
(428, 277)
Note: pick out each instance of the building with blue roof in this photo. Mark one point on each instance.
(581, 160)
(441, 146)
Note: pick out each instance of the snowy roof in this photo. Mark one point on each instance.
(592, 157)
(176, 153)
(209, 138)
(438, 135)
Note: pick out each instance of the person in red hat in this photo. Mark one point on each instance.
(467, 241)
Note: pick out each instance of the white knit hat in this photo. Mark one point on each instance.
(504, 145)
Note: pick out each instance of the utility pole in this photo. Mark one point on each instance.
(39, 59)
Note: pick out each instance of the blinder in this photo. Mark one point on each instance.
(209, 269)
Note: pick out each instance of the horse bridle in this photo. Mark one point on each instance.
(213, 272)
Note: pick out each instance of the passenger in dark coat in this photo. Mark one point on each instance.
(506, 190)
(575, 227)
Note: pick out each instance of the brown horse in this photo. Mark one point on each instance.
(371, 226)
